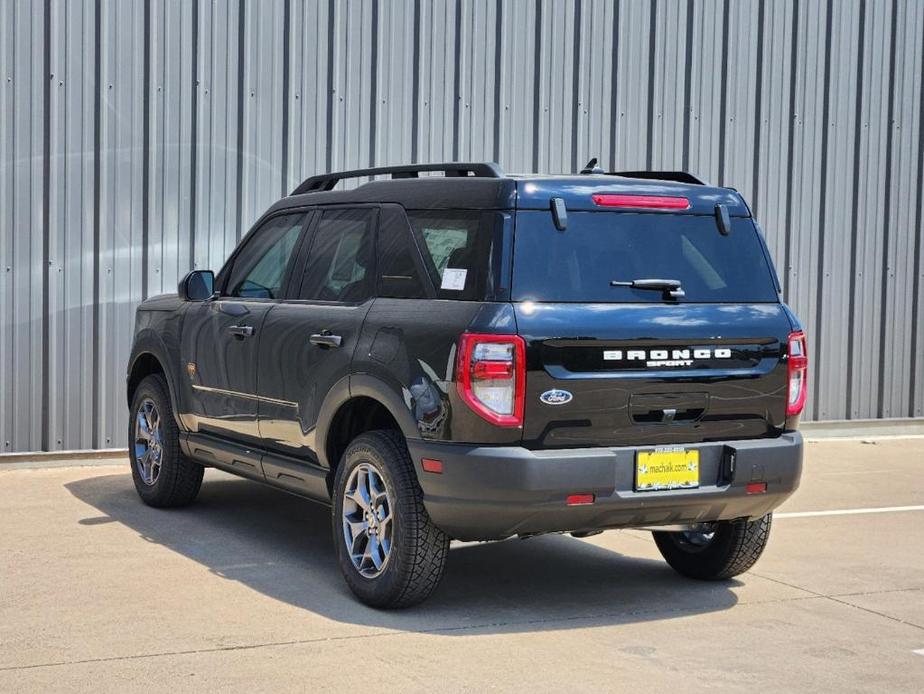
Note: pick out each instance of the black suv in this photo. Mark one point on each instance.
(476, 355)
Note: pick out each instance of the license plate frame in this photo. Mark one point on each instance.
(667, 468)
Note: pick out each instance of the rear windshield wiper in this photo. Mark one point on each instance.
(671, 288)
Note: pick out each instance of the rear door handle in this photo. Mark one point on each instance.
(325, 339)
(241, 330)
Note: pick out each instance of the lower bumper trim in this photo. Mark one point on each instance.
(489, 493)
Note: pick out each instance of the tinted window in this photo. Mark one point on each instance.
(340, 260)
(259, 269)
(401, 274)
(456, 251)
(597, 247)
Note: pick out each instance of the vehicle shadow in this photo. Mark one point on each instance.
(281, 546)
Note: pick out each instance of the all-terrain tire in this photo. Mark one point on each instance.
(734, 548)
(419, 549)
(178, 479)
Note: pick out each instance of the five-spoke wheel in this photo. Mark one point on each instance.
(163, 476)
(389, 551)
(149, 442)
(367, 520)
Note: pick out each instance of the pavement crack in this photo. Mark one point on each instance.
(836, 598)
(897, 620)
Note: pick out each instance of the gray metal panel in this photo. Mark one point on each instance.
(123, 229)
(518, 85)
(830, 280)
(865, 375)
(71, 210)
(21, 183)
(393, 76)
(218, 114)
(165, 129)
(898, 321)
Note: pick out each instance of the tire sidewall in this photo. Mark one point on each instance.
(718, 560)
(154, 389)
(388, 585)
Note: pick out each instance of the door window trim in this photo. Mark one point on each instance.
(417, 257)
(293, 288)
(224, 275)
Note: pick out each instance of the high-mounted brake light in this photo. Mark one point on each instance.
(491, 377)
(797, 367)
(650, 202)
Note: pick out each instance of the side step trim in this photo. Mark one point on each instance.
(289, 474)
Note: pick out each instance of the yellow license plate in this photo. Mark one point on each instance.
(666, 468)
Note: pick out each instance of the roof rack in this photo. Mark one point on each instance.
(679, 176)
(329, 180)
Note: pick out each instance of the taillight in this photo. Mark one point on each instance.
(491, 376)
(650, 202)
(797, 366)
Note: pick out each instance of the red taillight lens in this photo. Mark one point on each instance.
(651, 202)
(492, 369)
(797, 366)
(491, 376)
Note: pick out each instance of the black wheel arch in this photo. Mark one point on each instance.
(149, 356)
(356, 404)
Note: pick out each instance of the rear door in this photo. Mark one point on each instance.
(616, 365)
(309, 339)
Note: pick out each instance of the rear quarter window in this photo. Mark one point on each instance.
(456, 245)
(579, 263)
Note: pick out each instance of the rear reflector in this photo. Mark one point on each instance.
(580, 499)
(756, 487)
(650, 202)
(430, 465)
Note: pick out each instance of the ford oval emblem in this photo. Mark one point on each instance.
(556, 397)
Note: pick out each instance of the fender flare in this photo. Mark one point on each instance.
(149, 343)
(361, 385)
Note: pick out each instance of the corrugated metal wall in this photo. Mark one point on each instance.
(138, 138)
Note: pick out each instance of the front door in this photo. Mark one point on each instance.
(221, 337)
(309, 339)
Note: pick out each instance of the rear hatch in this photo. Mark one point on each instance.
(612, 364)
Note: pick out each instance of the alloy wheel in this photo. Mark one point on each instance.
(367, 520)
(149, 443)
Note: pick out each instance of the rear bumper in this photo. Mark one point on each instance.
(489, 493)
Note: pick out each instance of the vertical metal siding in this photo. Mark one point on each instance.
(140, 138)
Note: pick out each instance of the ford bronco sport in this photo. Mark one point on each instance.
(476, 355)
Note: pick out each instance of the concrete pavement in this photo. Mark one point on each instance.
(240, 592)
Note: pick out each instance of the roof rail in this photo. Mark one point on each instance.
(679, 176)
(327, 181)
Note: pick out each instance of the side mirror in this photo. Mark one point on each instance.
(198, 285)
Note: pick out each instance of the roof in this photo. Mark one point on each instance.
(490, 189)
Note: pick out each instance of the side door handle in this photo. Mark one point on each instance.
(325, 339)
(241, 330)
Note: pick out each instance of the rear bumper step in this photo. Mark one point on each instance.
(486, 493)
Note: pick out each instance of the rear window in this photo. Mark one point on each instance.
(579, 263)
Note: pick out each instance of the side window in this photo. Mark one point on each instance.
(457, 251)
(400, 271)
(260, 267)
(340, 261)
